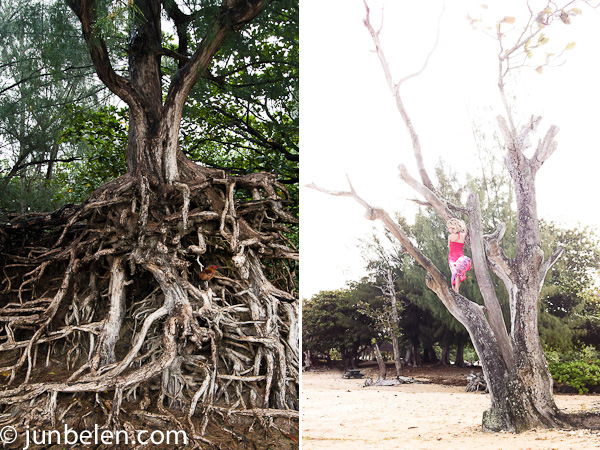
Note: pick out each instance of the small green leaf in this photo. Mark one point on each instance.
(570, 46)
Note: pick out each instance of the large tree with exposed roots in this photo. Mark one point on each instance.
(517, 375)
(101, 318)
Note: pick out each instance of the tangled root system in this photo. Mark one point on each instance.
(105, 322)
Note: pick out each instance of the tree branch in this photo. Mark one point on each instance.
(259, 138)
(484, 280)
(459, 306)
(438, 204)
(549, 263)
(500, 264)
(85, 11)
(426, 62)
(545, 149)
(181, 21)
(173, 54)
(394, 88)
(234, 14)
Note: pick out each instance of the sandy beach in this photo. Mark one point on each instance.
(340, 414)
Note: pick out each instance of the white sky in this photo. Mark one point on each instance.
(349, 122)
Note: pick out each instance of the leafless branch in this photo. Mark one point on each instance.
(426, 62)
(438, 204)
(545, 148)
(394, 88)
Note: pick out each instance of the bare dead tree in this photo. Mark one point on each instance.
(513, 360)
(389, 290)
(389, 317)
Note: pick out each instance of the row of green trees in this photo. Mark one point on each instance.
(63, 135)
(348, 321)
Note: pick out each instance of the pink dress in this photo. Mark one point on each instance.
(459, 263)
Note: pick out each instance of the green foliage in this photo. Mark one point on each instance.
(28, 192)
(556, 333)
(578, 369)
(569, 314)
(45, 68)
(331, 321)
(100, 138)
(581, 374)
(575, 272)
(244, 116)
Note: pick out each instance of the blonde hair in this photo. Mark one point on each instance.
(456, 224)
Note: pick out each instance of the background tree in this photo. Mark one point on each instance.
(38, 84)
(113, 282)
(332, 322)
(568, 297)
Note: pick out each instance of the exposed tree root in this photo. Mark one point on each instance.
(104, 321)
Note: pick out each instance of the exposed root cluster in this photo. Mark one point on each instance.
(104, 319)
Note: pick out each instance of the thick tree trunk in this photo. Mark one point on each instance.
(416, 353)
(153, 135)
(429, 355)
(308, 364)
(395, 325)
(521, 394)
(408, 357)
